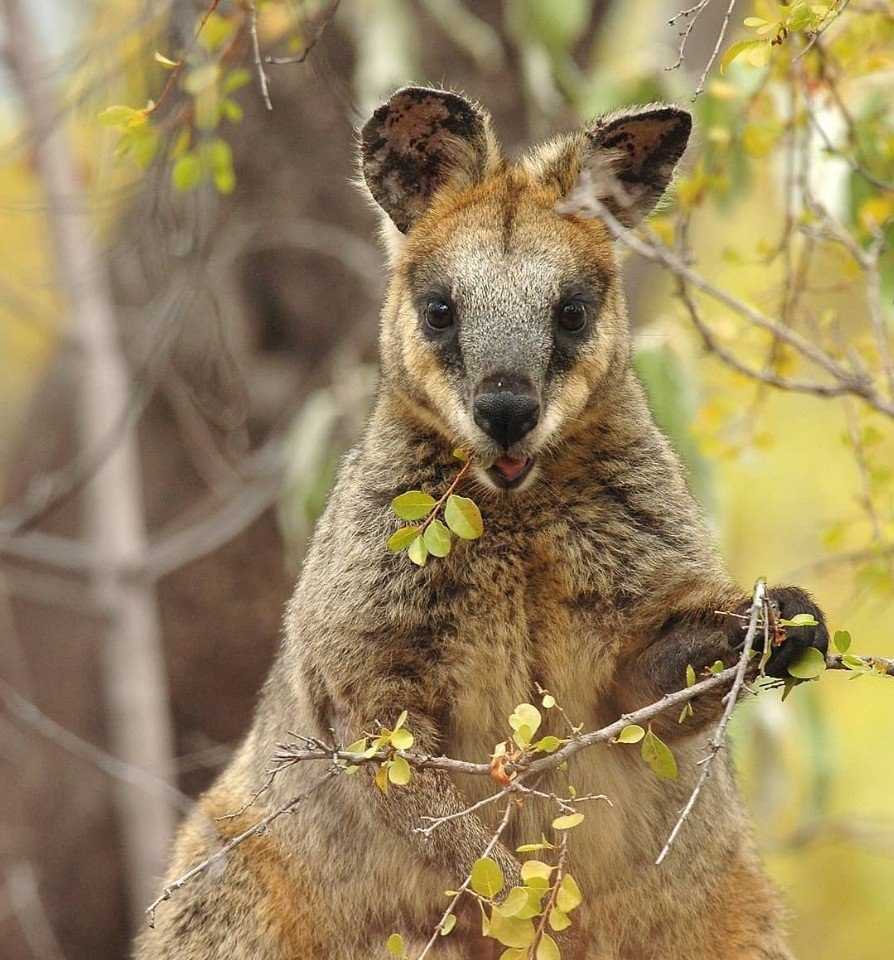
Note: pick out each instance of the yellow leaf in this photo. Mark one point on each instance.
(166, 62)
(568, 821)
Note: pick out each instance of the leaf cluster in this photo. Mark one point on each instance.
(394, 770)
(517, 919)
(434, 537)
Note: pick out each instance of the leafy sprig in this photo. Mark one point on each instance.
(434, 537)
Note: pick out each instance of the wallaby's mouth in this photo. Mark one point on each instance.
(510, 472)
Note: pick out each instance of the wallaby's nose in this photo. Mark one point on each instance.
(506, 409)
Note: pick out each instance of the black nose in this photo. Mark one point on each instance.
(505, 415)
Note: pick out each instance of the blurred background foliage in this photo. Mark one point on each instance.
(245, 281)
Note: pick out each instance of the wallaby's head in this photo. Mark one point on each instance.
(505, 315)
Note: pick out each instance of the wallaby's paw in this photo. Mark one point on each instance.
(790, 641)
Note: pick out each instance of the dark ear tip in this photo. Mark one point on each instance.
(413, 95)
(671, 114)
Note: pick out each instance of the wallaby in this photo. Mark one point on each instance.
(504, 331)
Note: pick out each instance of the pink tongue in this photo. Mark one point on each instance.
(510, 467)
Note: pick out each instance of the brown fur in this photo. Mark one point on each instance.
(596, 579)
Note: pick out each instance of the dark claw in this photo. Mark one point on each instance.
(786, 602)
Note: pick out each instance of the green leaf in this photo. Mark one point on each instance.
(358, 746)
(548, 744)
(201, 78)
(808, 665)
(842, 641)
(418, 552)
(544, 844)
(235, 80)
(514, 953)
(802, 17)
(516, 902)
(382, 778)
(558, 919)
(437, 539)
(448, 924)
(231, 110)
(685, 712)
(855, 663)
(220, 159)
(396, 944)
(717, 667)
(399, 772)
(690, 675)
(800, 620)
(549, 701)
(144, 144)
(657, 754)
(569, 895)
(736, 50)
(413, 505)
(461, 454)
(632, 733)
(547, 949)
(216, 29)
(401, 539)
(401, 720)
(487, 879)
(525, 715)
(536, 874)
(511, 931)
(568, 821)
(116, 116)
(186, 174)
(463, 517)
(402, 739)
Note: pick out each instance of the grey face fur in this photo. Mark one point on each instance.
(506, 293)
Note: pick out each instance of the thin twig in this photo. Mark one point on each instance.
(720, 38)
(550, 903)
(181, 63)
(759, 611)
(821, 28)
(289, 805)
(256, 52)
(501, 826)
(694, 12)
(305, 53)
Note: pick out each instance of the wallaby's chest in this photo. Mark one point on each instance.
(526, 619)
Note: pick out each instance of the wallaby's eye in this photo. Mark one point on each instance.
(572, 316)
(438, 313)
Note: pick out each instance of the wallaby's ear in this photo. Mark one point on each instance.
(418, 141)
(627, 162)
